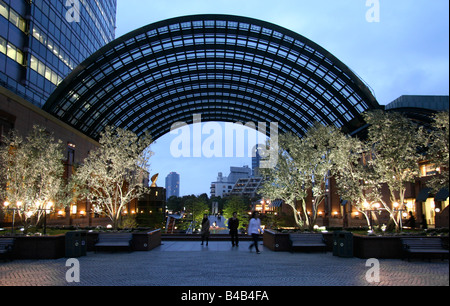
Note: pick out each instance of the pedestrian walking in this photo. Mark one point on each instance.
(233, 224)
(205, 229)
(254, 228)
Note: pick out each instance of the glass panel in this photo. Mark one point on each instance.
(2, 45)
(3, 9)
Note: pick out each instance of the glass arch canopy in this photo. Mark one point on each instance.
(226, 68)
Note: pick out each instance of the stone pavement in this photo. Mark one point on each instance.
(182, 263)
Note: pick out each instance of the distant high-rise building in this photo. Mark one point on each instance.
(172, 185)
(42, 41)
(256, 161)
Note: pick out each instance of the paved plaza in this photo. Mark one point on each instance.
(183, 263)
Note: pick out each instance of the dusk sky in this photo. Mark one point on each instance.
(405, 53)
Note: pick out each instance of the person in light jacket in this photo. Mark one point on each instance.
(254, 228)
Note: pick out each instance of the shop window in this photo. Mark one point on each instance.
(428, 170)
(429, 210)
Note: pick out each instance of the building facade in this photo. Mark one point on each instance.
(224, 184)
(172, 185)
(42, 41)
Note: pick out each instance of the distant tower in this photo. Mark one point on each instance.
(256, 161)
(172, 185)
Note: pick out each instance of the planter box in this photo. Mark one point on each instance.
(142, 241)
(279, 242)
(275, 241)
(54, 247)
(382, 247)
(39, 247)
(146, 241)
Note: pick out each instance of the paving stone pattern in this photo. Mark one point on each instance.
(190, 264)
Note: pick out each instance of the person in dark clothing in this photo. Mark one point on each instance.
(205, 229)
(411, 221)
(233, 224)
(424, 223)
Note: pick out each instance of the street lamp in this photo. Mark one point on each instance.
(13, 209)
(48, 207)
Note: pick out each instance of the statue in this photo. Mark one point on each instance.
(154, 179)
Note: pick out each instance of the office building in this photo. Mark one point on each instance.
(42, 41)
(172, 185)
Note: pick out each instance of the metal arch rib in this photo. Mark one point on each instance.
(135, 40)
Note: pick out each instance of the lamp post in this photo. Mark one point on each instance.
(13, 209)
(48, 207)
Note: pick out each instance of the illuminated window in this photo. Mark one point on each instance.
(45, 71)
(2, 45)
(428, 170)
(3, 9)
(13, 53)
(429, 212)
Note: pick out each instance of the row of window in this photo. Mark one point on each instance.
(16, 54)
(12, 16)
(51, 19)
(106, 38)
(11, 51)
(42, 37)
(45, 71)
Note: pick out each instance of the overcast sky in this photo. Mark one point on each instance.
(405, 53)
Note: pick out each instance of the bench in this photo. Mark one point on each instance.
(426, 247)
(6, 247)
(114, 241)
(307, 242)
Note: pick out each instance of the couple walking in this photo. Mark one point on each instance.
(254, 228)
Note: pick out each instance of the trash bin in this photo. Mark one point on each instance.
(343, 244)
(76, 245)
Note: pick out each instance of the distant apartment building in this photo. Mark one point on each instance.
(247, 187)
(172, 185)
(224, 184)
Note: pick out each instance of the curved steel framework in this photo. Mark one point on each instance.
(226, 68)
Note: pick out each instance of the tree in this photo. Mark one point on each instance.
(285, 181)
(112, 175)
(196, 207)
(438, 150)
(394, 142)
(316, 156)
(351, 173)
(235, 204)
(32, 174)
(303, 165)
(175, 204)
